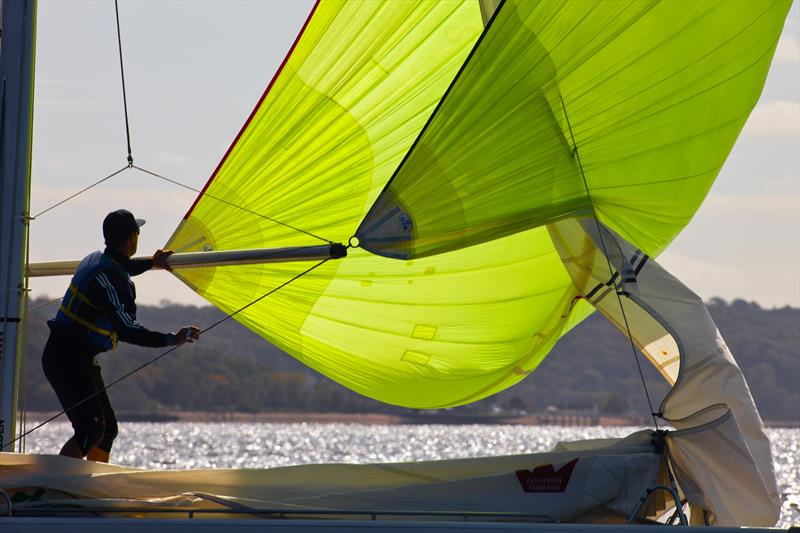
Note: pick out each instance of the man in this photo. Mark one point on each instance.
(98, 309)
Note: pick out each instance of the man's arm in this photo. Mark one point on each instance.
(110, 291)
(159, 261)
(138, 266)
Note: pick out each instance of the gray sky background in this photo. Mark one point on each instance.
(194, 71)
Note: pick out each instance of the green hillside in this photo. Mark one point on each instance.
(592, 368)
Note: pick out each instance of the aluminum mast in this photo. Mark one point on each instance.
(16, 119)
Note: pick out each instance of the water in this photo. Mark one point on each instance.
(181, 445)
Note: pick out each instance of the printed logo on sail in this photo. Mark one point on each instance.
(546, 478)
(405, 222)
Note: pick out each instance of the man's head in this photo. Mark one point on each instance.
(121, 231)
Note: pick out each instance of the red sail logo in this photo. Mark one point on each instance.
(545, 478)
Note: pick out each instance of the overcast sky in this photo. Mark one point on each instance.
(194, 72)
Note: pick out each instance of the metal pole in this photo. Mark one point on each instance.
(16, 114)
(214, 259)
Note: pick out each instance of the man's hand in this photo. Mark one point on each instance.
(160, 259)
(187, 334)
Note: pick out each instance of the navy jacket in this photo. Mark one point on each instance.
(99, 305)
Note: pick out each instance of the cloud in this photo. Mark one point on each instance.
(788, 51)
(776, 118)
(57, 165)
(730, 278)
(65, 103)
(698, 272)
(775, 207)
(174, 159)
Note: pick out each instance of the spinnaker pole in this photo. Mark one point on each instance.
(215, 258)
(16, 119)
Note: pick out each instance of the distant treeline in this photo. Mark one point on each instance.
(591, 368)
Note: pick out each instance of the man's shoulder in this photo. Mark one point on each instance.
(94, 264)
(110, 268)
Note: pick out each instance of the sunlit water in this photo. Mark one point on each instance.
(180, 445)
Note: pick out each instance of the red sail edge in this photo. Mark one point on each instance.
(253, 113)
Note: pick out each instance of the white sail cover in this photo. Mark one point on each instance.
(720, 452)
(597, 480)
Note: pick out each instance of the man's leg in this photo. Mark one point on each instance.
(72, 449)
(98, 454)
(84, 410)
(68, 372)
(102, 451)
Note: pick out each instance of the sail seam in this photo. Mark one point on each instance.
(439, 104)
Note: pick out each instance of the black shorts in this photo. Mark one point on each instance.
(69, 366)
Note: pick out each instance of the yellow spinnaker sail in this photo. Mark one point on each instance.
(450, 145)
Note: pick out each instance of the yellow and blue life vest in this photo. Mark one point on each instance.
(79, 314)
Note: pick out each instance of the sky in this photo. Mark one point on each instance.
(194, 71)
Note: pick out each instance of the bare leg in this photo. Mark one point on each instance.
(99, 455)
(71, 449)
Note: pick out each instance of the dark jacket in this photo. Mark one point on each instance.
(99, 305)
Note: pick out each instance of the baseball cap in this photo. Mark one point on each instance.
(119, 224)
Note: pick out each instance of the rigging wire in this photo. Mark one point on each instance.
(179, 184)
(68, 198)
(207, 194)
(127, 126)
(24, 432)
(154, 174)
(45, 304)
(172, 349)
(124, 95)
(611, 268)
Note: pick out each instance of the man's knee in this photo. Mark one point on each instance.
(88, 434)
(109, 435)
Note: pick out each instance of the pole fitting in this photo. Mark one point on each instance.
(338, 250)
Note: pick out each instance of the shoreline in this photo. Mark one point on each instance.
(299, 417)
(424, 417)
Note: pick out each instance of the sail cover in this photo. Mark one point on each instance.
(596, 480)
(447, 135)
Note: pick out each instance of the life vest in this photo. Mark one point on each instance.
(80, 315)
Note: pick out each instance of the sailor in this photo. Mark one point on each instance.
(98, 310)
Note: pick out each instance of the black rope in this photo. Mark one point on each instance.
(610, 268)
(206, 194)
(124, 95)
(153, 360)
(67, 199)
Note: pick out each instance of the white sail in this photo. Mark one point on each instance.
(720, 452)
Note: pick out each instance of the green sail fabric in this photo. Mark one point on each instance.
(646, 98)
(339, 119)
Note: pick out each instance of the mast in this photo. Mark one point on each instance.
(16, 116)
